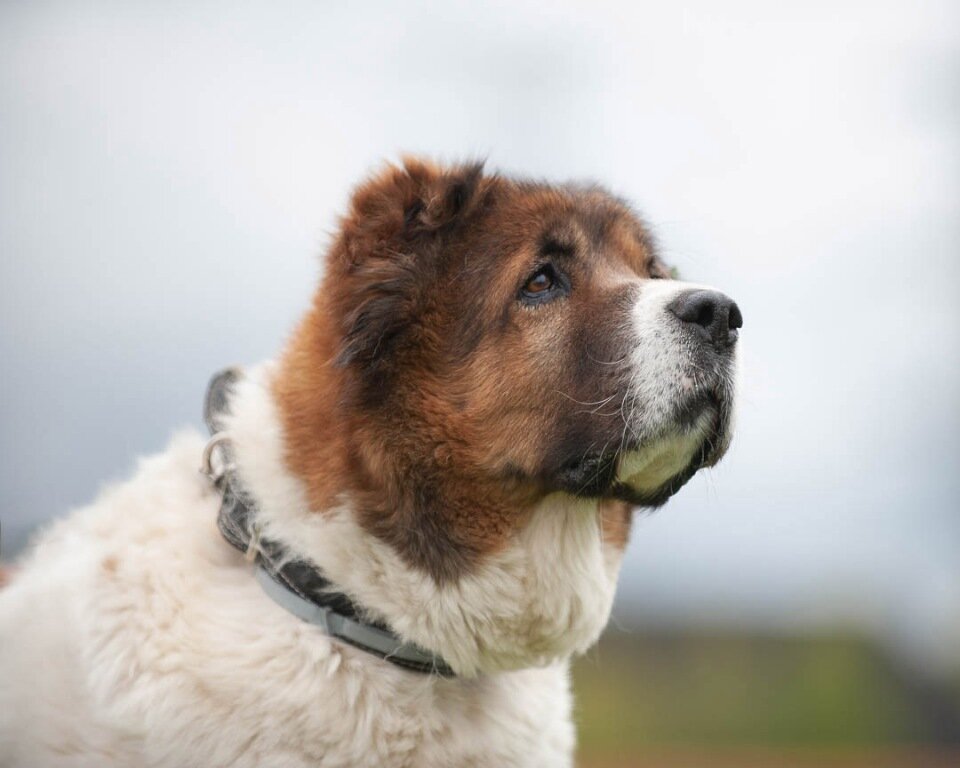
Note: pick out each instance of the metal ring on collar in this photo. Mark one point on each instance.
(206, 466)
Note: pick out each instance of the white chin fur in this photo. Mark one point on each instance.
(649, 468)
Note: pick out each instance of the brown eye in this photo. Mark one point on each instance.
(541, 282)
(546, 284)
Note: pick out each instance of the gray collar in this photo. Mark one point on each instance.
(290, 580)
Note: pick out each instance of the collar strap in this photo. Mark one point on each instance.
(291, 581)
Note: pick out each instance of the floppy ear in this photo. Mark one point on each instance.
(388, 245)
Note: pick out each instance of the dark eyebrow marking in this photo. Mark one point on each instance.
(555, 246)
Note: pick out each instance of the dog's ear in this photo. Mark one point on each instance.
(393, 233)
(406, 202)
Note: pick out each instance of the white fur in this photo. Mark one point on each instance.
(134, 636)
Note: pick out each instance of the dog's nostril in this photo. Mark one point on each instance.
(714, 315)
(735, 319)
(704, 314)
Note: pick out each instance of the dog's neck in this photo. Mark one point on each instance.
(543, 597)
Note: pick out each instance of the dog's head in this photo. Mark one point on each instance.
(482, 348)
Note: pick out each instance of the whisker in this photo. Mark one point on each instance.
(607, 362)
(579, 402)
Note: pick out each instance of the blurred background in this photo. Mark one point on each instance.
(170, 173)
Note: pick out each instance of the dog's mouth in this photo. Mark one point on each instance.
(647, 471)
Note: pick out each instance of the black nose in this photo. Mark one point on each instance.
(714, 315)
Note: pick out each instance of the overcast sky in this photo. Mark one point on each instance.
(169, 174)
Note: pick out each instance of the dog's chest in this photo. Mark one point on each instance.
(163, 651)
(307, 702)
(187, 649)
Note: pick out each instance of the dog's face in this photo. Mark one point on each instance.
(489, 343)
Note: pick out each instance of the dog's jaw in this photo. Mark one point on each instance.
(518, 608)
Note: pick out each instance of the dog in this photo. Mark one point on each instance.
(408, 524)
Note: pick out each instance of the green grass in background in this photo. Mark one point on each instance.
(639, 692)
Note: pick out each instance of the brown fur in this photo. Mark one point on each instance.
(422, 386)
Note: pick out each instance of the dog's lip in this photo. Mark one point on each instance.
(712, 448)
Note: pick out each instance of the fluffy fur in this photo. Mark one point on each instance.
(457, 451)
(134, 636)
